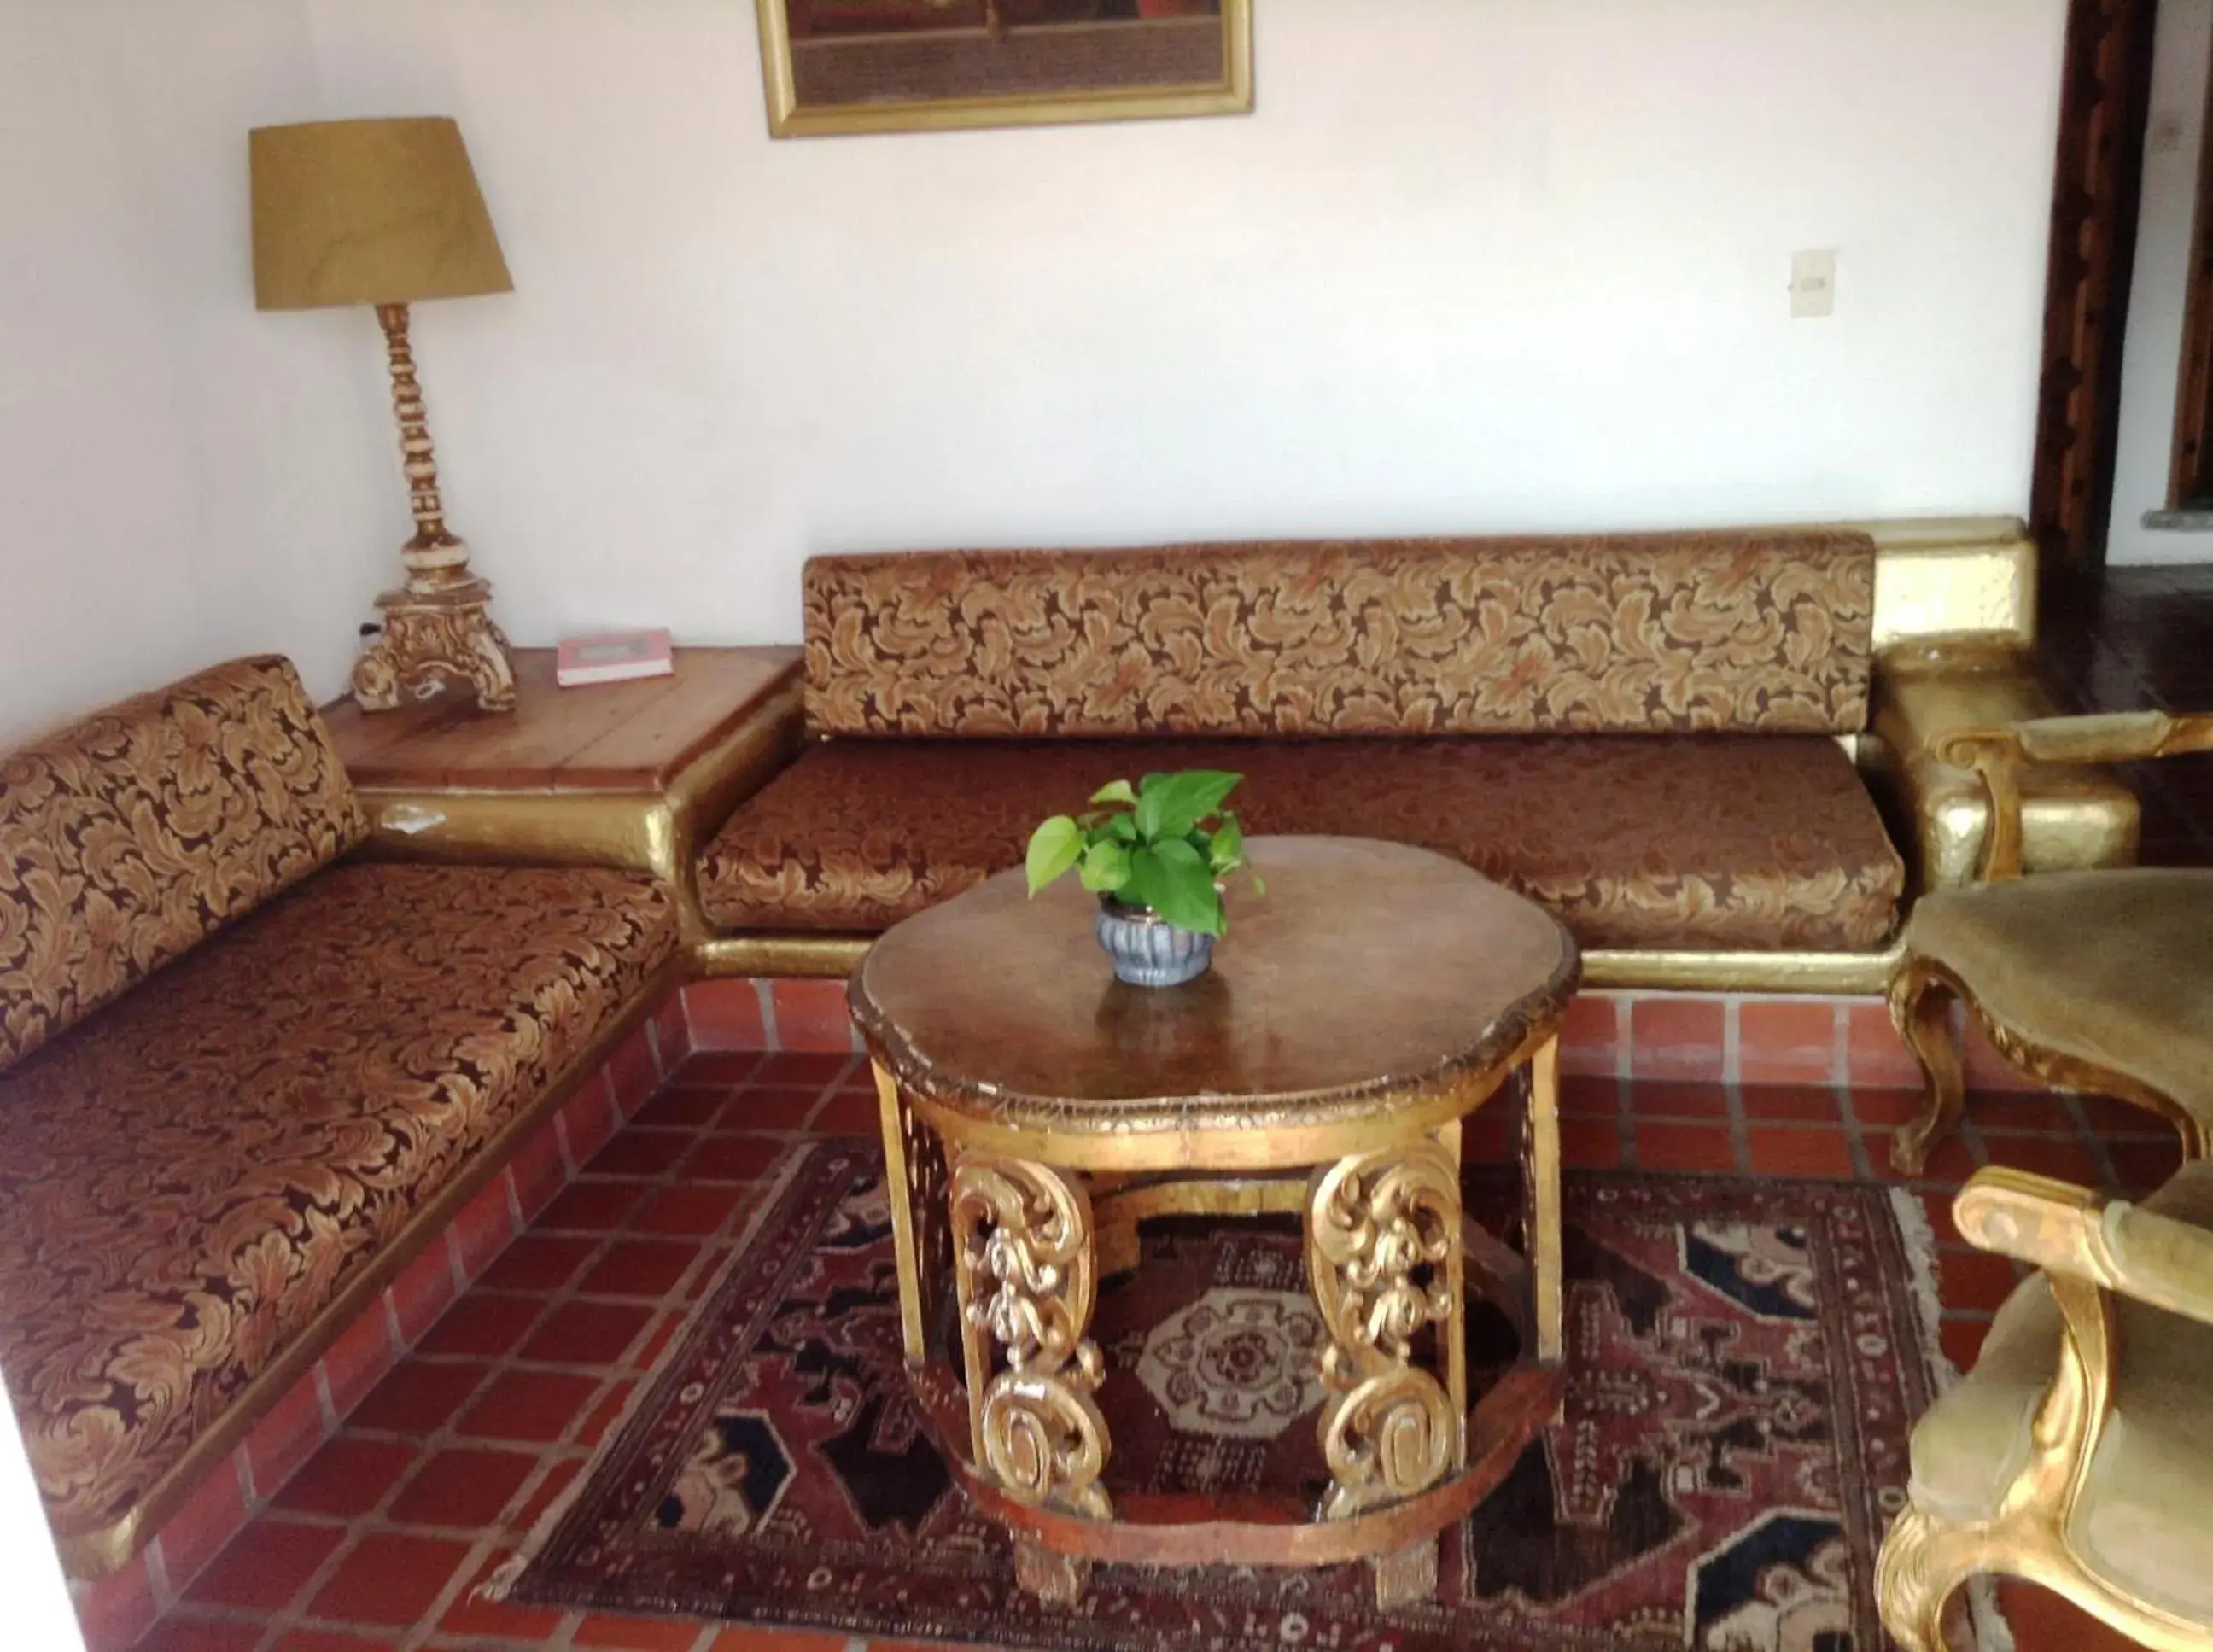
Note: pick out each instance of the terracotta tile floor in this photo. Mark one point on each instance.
(379, 1541)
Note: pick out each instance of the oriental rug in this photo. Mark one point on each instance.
(1745, 1359)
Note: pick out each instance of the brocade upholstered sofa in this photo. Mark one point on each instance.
(243, 1077)
(1664, 739)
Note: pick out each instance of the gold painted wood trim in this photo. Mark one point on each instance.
(93, 1555)
(1856, 974)
(1233, 94)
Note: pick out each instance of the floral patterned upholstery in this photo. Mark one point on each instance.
(131, 836)
(190, 1174)
(1693, 842)
(1668, 634)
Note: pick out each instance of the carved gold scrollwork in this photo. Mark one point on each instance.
(1028, 1280)
(1381, 1229)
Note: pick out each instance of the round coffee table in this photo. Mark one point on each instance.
(1036, 1111)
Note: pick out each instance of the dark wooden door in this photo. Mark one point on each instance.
(2098, 186)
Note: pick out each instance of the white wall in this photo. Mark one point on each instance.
(1475, 264)
(2151, 363)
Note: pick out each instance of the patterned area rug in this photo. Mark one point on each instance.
(1745, 1358)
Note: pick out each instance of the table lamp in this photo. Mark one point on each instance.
(387, 212)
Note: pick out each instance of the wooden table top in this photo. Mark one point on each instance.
(633, 736)
(1371, 976)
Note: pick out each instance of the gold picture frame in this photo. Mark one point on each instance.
(810, 89)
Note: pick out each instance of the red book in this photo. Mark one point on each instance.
(618, 657)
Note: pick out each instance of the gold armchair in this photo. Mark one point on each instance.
(2078, 1453)
(2098, 980)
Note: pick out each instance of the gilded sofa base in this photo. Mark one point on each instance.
(95, 1554)
(1830, 973)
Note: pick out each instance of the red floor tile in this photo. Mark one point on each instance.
(318, 1640)
(2022, 1110)
(536, 1405)
(1878, 1057)
(812, 1015)
(592, 1207)
(1786, 1043)
(2109, 1119)
(484, 1326)
(586, 1333)
(721, 1067)
(2069, 1160)
(801, 1068)
(1886, 1109)
(1590, 1144)
(419, 1397)
(267, 1566)
(290, 1433)
(645, 1634)
(1780, 1151)
(2042, 1622)
(1587, 1097)
(694, 1210)
(464, 1487)
(723, 1016)
(1815, 1103)
(769, 1109)
(1685, 1146)
(646, 1153)
(356, 1360)
(606, 1414)
(1962, 1340)
(1677, 1038)
(497, 1619)
(545, 1493)
(638, 1267)
(1980, 1280)
(1671, 1097)
(777, 1640)
(213, 1515)
(2144, 1167)
(849, 1113)
(347, 1477)
(684, 1109)
(540, 1261)
(388, 1578)
(185, 1635)
(733, 1158)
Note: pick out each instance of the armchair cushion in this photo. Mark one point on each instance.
(1689, 843)
(132, 836)
(1665, 633)
(2111, 967)
(189, 1176)
(2145, 1520)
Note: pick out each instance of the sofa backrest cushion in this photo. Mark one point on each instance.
(1767, 631)
(132, 836)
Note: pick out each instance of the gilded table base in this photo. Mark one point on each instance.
(1388, 1251)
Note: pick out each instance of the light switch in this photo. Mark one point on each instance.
(1813, 285)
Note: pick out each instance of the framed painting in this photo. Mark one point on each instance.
(917, 65)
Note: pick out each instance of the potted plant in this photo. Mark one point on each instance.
(1154, 854)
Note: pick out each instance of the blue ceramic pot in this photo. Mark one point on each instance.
(1150, 951)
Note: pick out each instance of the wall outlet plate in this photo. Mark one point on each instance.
(1813, 285)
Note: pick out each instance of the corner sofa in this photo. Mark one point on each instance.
(1706, 751)
(246, 1076)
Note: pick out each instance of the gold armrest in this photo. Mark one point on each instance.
(1997, 756)
(2079, 1234)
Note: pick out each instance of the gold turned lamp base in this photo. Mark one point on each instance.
(432, 641)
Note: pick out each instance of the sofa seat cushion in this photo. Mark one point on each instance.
(1707, 843)
(2144, 1521)
(188, 1176)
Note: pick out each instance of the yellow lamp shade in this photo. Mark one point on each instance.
(368, 212)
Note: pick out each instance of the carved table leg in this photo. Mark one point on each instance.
(1921, 1010)
(1028, 1277)
(1383, 1230)
(1540, 1149)
(913, 1183)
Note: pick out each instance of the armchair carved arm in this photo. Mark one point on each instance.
(2074, 1234)
(1997, 756)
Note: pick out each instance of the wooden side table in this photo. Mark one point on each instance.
(620, 774)
(1035, 1111)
